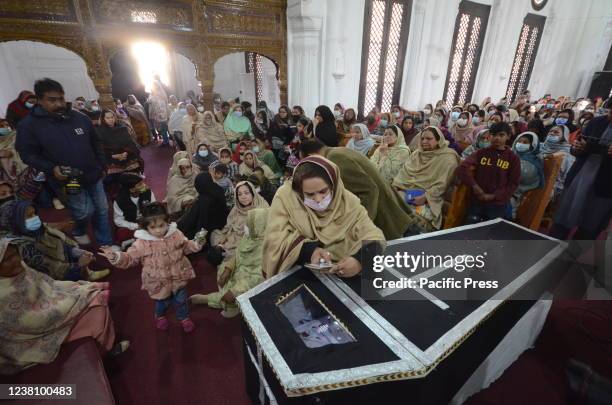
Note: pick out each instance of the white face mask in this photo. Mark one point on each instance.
(201, 109)
(427, 111)
(462, 122)
(95, 108)
(522, 147)
(318, 206)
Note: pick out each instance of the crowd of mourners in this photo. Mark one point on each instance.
(258, 191)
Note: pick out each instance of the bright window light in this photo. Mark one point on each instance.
(153, 59)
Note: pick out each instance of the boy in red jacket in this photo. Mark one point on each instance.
(493, 174)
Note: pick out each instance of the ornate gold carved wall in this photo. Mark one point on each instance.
(201, 30)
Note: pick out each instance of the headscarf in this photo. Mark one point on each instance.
(211, 134)
(11, 167)
(345, 125)
(115, 140)
(475, 145)
(391, 163)
(548, 148)
(17, 107)
(234, 229)
(364, 145)
(180, 188)
(513, 115)
(204, 162)
(325, 131)
(262, 105)
(461, 134)
(247, 171)
(411, 133)
(236, 126)
(531, 155)
(340, 229)
(174, 169)
(431, 171)
(37, 315)
(12, 218)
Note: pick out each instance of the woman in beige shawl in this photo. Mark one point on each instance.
(251, 162)
(462, 130)
(313, 218)
(246, 199)
(39, 314)
(181, 189)
(191, 121)
(430, 168)
(174, 169)
(391, 154)
(210, 132)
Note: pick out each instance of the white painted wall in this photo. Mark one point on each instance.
(23, 62)
(324, 49)
(231, 81)
(184, 76)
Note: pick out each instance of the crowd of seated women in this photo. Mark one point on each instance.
(306, 190)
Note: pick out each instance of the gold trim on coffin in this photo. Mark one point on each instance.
(296, 392)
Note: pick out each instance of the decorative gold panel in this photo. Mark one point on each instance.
(201, 30)
(48, 10)
(226, 20)
(166, 14)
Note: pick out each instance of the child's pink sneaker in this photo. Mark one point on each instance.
(161, 323)
(188, 325)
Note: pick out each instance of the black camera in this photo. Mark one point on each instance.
(73, 185)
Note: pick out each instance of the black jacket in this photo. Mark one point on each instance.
(603, 181)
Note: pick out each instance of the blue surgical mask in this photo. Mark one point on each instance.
(475, 120)
(203, 153)
(553, 138)
(561, 121)
(550, 105)
(384, 123)
(4, 131)
(484, 144)
(237, 113)
(522, 147)
(455, 115)
(33, 224)
(29, 105)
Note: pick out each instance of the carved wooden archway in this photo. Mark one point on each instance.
(201, 30)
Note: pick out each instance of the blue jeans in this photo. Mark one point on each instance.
(179, 299)
(91, 203)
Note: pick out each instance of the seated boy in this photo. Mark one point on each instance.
(493, 173)
(133, 193)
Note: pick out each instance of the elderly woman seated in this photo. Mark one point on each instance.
(424, 178)
(32, 333)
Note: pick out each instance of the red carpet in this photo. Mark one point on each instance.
(171, 367)
(163, 368)
(206, 366)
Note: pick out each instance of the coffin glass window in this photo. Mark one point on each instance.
(312, 321)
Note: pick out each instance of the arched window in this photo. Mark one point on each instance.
(385, 35)
(526, 50)
(468, 38)
(253, 65)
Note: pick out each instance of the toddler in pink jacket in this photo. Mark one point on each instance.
(161, 248)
